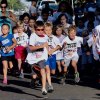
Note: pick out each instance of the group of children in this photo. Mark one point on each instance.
(43, 49)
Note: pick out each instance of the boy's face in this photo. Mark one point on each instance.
(20, 29)
(72, 34)
(48, 30)
(5, 29)
(39, 30)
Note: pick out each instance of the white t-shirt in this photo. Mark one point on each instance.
(37, 55)
(60, 38)
(59, 55)
(94, 49)
(53, 42)
(98, 37)
(22, 40)
(70, 46)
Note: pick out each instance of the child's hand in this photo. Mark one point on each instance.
(50, 52)
(64, 45)
(45, 45)
(8, 49)
(94, 38)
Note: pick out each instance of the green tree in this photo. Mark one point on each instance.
(15, 4)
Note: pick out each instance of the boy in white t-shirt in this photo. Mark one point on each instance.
(70, 45)
(38, 54)
(53, 47)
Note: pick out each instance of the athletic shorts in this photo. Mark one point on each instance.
(73, 58)
(20, 52)
(59, 56)
(7, 58)
(51, 62)
(37, 67)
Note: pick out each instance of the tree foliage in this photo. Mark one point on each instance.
(15, 4)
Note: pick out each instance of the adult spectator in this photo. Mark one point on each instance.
(32, 10)
(64, 7)
(6, 17)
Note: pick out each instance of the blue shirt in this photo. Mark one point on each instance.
(5, 42)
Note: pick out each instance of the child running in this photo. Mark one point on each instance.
(20, 50)
(38, 55)
(54, 46)
(70, 45)
(59, 55)
(7, 49)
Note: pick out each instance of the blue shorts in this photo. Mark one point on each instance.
(51, 62)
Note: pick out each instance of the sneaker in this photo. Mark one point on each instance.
(38, 83)
(21, 75)
(44, 91)
(32, 83)
(77, 78)
(62, 81)
(5, 81)
(50, 89)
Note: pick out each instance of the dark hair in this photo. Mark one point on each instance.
(59, 18)
(68, 8)
(15, 27)
(45, 11)
(4, 2)
(32, 18)
(25, 14)
(5, 25)
(39, 24)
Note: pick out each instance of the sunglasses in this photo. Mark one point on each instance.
(3, 6)
(39, 29)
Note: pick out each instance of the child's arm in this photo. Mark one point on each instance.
(12, 46)
(57, 46)
(34, 48)
(55, 49)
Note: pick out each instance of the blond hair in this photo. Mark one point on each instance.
(20, 24)
(48, 24)
(71, 28)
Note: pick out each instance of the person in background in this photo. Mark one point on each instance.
(7, 17)
(20, 49)
(32, 9)
(8, 43)
(63, 20)
(30, 28)
(64, 8)
(45, 16)
(25, 20)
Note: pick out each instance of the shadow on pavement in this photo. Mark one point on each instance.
(16, 90)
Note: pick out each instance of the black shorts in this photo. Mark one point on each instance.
(7, 58)
(37, 67)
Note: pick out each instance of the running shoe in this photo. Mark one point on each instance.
(77, 78)
(50, 88)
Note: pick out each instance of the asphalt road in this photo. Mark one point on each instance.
(19, 89)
